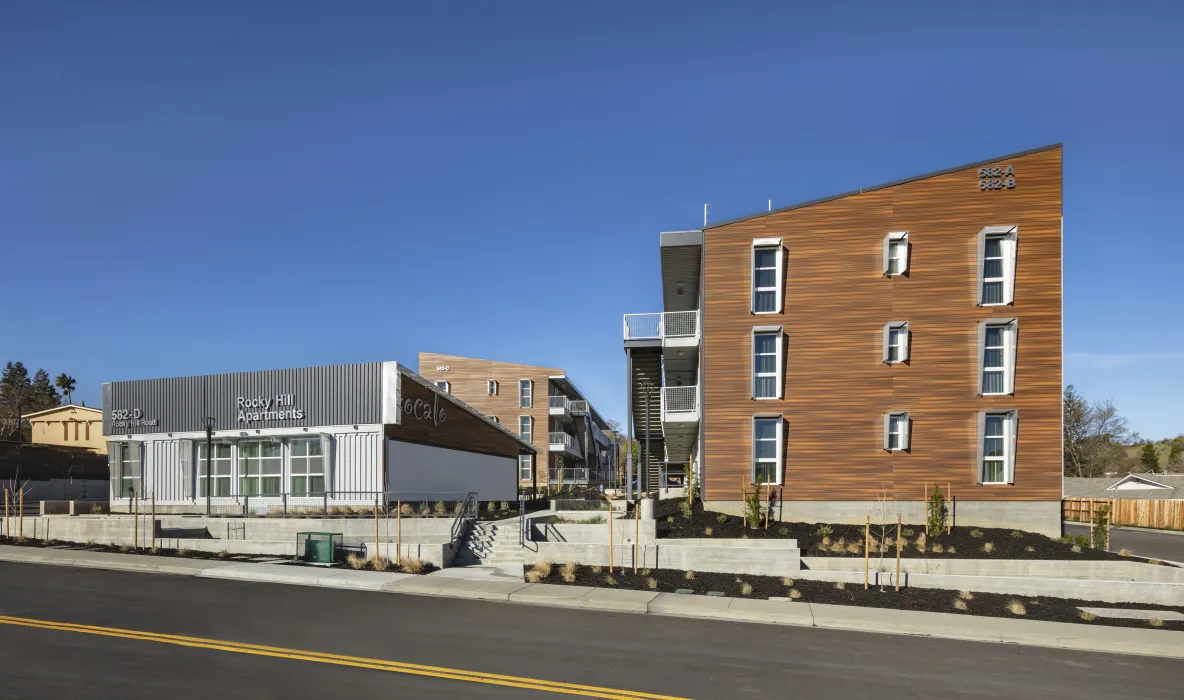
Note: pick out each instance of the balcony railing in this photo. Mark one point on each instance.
(671, 324)
(680, 399)
(560, 402)
(579, 407)
(562, 439)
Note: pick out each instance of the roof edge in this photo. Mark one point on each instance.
(62, 407)
(893, 183)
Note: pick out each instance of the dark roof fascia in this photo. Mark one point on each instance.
(894, 183)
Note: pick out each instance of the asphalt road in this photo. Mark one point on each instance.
(1145, 543)
(668, 656)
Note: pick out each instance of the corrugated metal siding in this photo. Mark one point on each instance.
(357, 462)
(331, 395)
(166, 473)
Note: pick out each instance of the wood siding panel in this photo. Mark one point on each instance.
(460, 430)
(837, 300)
(467, 378)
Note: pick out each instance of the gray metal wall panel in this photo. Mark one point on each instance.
(357, 462)
(164, 470)
(332, 395)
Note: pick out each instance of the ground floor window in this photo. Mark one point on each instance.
(260, 468)
(998, 436)
(129, 469)
(308, 467)
(221, 469)
(524, 464)
(766, 449)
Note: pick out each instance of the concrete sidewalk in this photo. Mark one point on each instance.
(1062, 635)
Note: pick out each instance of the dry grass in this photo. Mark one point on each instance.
(411, 565)
(787, 582)
(354, 561)
(406, 510)
(794, 594)
(596, 569)
(965, 595)
(1124, 552)
(951, 550)
(381, 563)
(746, 589)
(1155, 622)
(1029, 548)
(223, 554)
(988, 547)
(937, 548)
(1076, 549)
(126, 548)
(825, 541)
(1153, 562)
(543, 567)
(1015, 607)
(840, 585)
(689, 575)
(182, 552)
(960, 604)
(854, 548)
(1017, 534)
(1088, 616)
(96, 509)
(568, 571)
(651, 583)
(922, 540)
(707, 531)
(904, 543)
(533, 576)
(609, 580)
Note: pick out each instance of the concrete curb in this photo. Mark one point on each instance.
(1062, 635)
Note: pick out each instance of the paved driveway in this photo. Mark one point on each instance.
(1145, 543)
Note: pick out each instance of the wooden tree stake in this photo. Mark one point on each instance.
(867, 535)
(154, 521)
(898, 551)
(768, 504)
(949, 507)
(636, 533)
(609, 519)
(398, 530)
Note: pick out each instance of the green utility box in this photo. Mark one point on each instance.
(318, 547)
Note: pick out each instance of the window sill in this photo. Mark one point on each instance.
(995, 483)
(999, 393)
(766, 398)
(1002, 303)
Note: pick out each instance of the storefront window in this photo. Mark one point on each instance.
(308, 467)
(260, 468)
(221, 469)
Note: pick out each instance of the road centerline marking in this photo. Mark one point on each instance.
(339, 660)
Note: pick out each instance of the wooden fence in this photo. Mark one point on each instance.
(1163, 514)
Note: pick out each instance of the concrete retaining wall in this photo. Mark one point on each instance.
(1043, 517)
(757, 557)
(1094, 570)
(542, 530)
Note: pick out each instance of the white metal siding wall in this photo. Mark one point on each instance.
(165, 471)
(357, 462)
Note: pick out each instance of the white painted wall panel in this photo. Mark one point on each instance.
(357, 462)
(164, 471)
(414, 468)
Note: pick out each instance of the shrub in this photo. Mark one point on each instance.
(1017, 534)
(960, 604)
(840, 585)
(669, 519)
(920, 544)
(794, 594)
(1015, 607)
(746, 589)
(439, 508)
(221, 555)
(951, 550)
(787, 582)
(936, 548)
(596, 569)
(127, 548)
(1076, 549)
(355, 562)
(1124, 552)
(721, 518)
(533, 576)
(645, 572)
(568, 571)
(1100, 522)
(544, 568)
(976, 533)
(1067, 538)
(965, 595)
(411, 565)
(1029, 548)
(96, 509)
(825, 541)
(685, 508)
(1153, 562)
(1155, 622)
(381, 563)
(707, 531)
(1088, 616)
(610, 580)
(689, 575)
(904, 542)
(182, 552)
(907, 532)
(752, 507)
(988, 547)
(824, 531)
(652, 583)
(1081, 541)
(406, 509)
(935, 512)
(783, 531)
(854, 548)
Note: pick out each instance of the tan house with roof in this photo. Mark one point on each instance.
(69, 426)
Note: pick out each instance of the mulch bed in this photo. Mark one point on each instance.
(191, 554)
(835, 540)
(923, 599)
(494, 510)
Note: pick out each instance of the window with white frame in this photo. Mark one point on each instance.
(767, 261)
(896, 253)
(307, 465)
(998, 439)
(997, 341)
(766, 363)
(896, 431)
(260, 467)
(442, 385)
(766, 449)
(221, 469)
(129, 469)
(525, 393)
(524, 428)
(524, 467)
(896, 342)
(491, 387)
(996, 265)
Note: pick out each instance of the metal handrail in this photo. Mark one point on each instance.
(467, 512)
(680, 399)
(656, 326)
(579, 406)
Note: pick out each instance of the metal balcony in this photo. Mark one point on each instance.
(559, 406)
(562, 442)
(662, 326)
(680, 403)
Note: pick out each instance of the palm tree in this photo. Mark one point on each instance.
(66, 383)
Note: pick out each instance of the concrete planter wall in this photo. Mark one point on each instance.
(754, 557)
(1095, 570)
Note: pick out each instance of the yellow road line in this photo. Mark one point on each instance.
(340, 660)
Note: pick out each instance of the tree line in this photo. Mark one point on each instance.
(21, 395)
(1099, 442)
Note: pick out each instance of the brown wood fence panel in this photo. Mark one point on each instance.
(1161, 514)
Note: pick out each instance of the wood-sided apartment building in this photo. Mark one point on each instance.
(542, 406)
(856, 348)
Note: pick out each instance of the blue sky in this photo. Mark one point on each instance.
(234, 186)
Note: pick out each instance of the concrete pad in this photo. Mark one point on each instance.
(479, 589)
(551, 594)
(769, 611)
(617, 600)
(1127, 614)
(946, 625)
